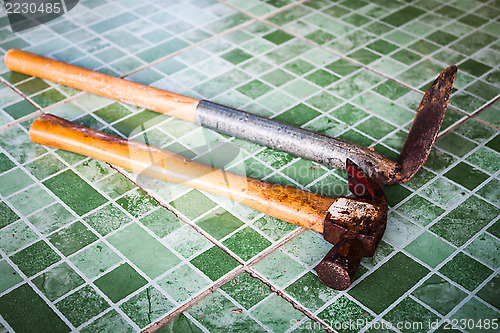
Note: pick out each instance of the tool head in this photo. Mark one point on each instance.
(355, 226)
(425, 127)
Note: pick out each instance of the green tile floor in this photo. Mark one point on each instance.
(88, 247)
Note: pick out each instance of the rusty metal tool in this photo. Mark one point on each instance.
(354, 225)
(323, 149)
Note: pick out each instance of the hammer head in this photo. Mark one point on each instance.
(355, 226)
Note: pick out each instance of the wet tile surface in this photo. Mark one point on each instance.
(88, 247)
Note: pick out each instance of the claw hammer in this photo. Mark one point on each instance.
(323, 149)
(353, 225)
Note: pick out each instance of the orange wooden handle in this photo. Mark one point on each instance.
(287, 203)
(154, 99)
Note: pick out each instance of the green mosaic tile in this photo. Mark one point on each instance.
(183, 283)
(254, 89)
(473, 42)
(490, 292)
(494, 143)
(375, 127)
(439, 250)
(180, 323)
(111, 321)
(13, 181)
(220, 223)
(136, 123)
(459, 225)
(440, 294)
(236, 56)
(187, 242)
(356, 19)
(273, 227)
(35, 258)
(279, 268)
(474, 67)
(246, 290)
(5, 163)
(420, 210)
(82, 305)
(20, 109)
(483, 90)
(322, 78)
(23, 309)
(403, 16)
(440, 160)
(32, 86)
(277, 77)
(276, 313)
(48, 97)
(475, 310)
(343, 310)
(45, 166)
(459, 31)
(216, 312)
(356, 137)
(95, 259)
(423, 47)
(466, 175)
(7, 215)
(107, 219)
(406, 57)
(57, 281)
(8, 276)
(205, 263)
(299, 66)
(310, 292)
(15, 77)
(146, 307)
(137, 203)
(490, 191)
(298, 115)
(74, 192)
(320, 36)
(349, 113)
(278, 37)
(409, 311)
(120, 282)
(485, 248)
(246, 243)
(161, 222)
(31, 199)
(93, 170)
(307, 247)
(147, 253)
(327, 126)
(364, 56)
(73, 238)
(15, 236)
(466, 271)
(304, 172)
(383, 287)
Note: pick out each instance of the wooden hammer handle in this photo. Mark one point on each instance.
(144, 96)
(287, 203)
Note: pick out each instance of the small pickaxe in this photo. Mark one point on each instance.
(354, 225)
(332, 152)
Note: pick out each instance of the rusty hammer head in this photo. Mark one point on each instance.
(355, 226)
